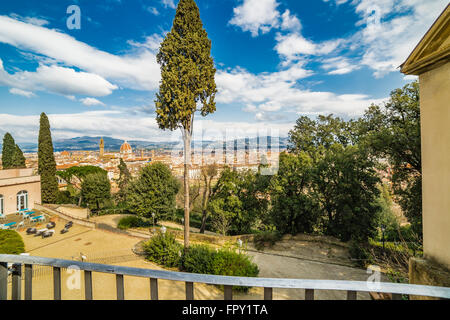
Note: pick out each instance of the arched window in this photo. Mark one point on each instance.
(22, 200)
(1, 204)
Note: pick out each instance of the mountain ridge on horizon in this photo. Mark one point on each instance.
(90, 143)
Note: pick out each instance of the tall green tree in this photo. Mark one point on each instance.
(18, 158)
(392, 132)
(8, 151)
(295, 208)
(123, 181)
(153, 191)
(96, 189)
(46, 162)
(187, 82)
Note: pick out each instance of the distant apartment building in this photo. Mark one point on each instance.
(19, 189)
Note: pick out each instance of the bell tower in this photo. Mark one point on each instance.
(102, 147)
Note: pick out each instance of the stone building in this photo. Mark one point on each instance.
(19, 189)
(430, 60)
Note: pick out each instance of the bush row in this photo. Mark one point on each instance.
(132, 222)
(165, 250)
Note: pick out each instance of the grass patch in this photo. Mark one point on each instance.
(11, 242)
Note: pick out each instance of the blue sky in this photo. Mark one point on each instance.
(276, 60)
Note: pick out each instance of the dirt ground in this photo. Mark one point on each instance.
(291, 258)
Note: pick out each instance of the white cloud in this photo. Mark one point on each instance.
(136, 70)
(23, 93)
(391, 29)
(60, 80)
(152, 10)
(272, 96)
(339, 65)
(293, 46)
(91, 102)
(122, 125)
(256, 16)
(168, 3)
(290, 22)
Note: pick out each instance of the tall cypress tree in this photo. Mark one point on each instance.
(9, 148)
(18, 158)
(187, 83)
(46, 162)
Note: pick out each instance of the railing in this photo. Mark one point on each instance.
(352, 287)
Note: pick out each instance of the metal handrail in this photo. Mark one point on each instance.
(228, 281)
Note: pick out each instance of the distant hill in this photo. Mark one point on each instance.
(112, 144)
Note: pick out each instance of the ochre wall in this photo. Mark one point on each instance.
(435, 122)
(10, 195)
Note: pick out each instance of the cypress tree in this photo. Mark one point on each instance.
(46, 162)
(18, 158)
(9, 148)
(187, 83)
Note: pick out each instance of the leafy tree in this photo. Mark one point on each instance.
(207, 174)
(8, 151)
(123, 182)
(46, 162)
(393, 132)
(238, 201)
(225, 204)
(187, 82)
(295, 208)
(346, 183)
(18, 158)
(96, 189)
(79, 173)
(154, 191)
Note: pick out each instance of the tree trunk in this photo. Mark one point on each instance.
(204, 203)
(187, 162)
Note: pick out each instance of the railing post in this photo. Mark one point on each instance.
(189, 291)
(268, 294)
(153, 289)
(16, 282)
(87, 285)
(28, 282)
(396, 296)
(3, 280)
(228, 292)
(351, 295)
(56, 283)
(309, 294)
(120, 287)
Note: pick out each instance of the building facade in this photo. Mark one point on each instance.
(430, 60)
(19, 189)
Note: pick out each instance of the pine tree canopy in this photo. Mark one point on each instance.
(187, 71)
(46, 162)
(9, 148)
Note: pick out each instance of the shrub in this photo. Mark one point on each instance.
(11, 242)
(164, 250)
(360, 253)
(227, 262)
(266, 237)
(132, 222)
(199, 259)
